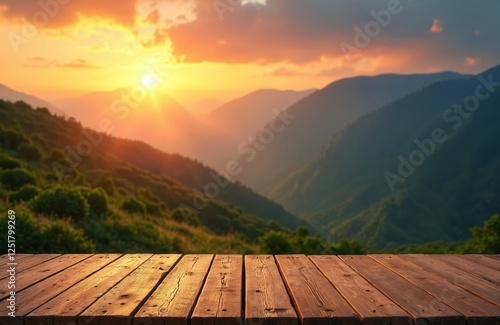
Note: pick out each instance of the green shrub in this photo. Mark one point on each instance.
(275, 242)
(183, 215)
(29, 152)
(7, 162)
(24, 194)
(11, 139)
(133, 205)
(105, 181)
(14, 179)
(96, 198)
(54, 236)
(486, 239)
(61, 202)
(60, 238)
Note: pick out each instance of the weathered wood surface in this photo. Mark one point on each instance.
(419, 303)
(474, 308)
(266, 298)
(317, 301)
(371, 304)
(173, 300)
(119, 289)
(469, 282)
(220, 301)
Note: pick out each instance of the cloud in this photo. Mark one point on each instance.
(283, 72)
(39, 62)
(291, 31)
(437, 26)
(301, 32)
(469, 61)
(59, 15)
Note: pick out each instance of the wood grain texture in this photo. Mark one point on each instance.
(34, 260)
(483, 260)
(39, 272)
(471, 267)
(173, 300)
(469, 282)
(477, 310)
(315, 298)
(113, 289)
(38, 294)
(119, 304)
(220, 301)
(266, 298)
(372, 305)
(424, 307)
(65, 308)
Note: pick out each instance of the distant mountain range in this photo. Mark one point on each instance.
(7, 93)
(155, 117)
(204, 106)
(389, 159)
(161, 121)
(320, 115)
(244, 117)
(421, 168)
(133, 166)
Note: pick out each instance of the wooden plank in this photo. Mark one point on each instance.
(424, 307)
(482, 288)
(220, 301)
(65, 308)
(24, 264)
(372, 305)
(266, 298)
(17, 257)
(38, 294)
(315, 298)
(37, 273)
(119, 304)
(483, 260)
(473, 268)
(174, 299)
(475, 309)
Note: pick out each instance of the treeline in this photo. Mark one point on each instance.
(102, 203)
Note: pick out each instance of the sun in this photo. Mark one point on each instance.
(149, 81)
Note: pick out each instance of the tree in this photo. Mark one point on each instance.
(24, 194)
(275, 242)
(14, 179)
(61, 202)
(486, 240)
(133, 205)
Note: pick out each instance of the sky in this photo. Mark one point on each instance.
(200, 49)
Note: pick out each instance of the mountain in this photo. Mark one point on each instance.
(149, 116)
(246, 115)
(50, 153)
(315, 118)
(242, 117)
(9, 94)
(158, 119)
(422, 168)
(204, 106)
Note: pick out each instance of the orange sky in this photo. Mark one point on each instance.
(197, 49)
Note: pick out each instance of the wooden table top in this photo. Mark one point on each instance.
(253, 289)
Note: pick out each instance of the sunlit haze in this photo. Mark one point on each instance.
(195, 50)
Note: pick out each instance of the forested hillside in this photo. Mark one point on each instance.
(417, 170)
